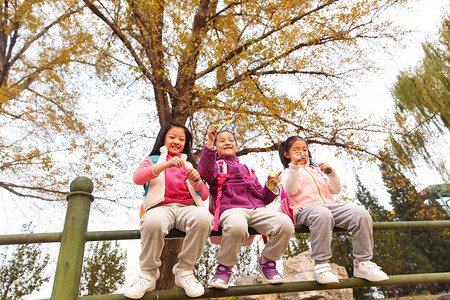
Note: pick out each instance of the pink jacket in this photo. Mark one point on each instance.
(159, 184)
(308, 185)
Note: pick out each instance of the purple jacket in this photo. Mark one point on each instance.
(243, 193)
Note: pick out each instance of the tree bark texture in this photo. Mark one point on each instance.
(169, 258)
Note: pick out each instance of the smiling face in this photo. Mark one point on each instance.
(297, 149)
(226, 144)
(174, 140)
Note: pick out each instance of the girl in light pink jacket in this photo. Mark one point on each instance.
(309, 189)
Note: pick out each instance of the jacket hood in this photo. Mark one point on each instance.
(163, 150)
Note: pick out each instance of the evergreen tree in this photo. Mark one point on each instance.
(103, 269)
(22, 272)
(394, 251)
(371, 203)
(409, 205)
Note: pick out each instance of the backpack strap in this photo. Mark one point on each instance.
(222, 177)
(251, 172)
(154, 159)
(285, 206)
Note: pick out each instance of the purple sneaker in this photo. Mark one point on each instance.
(222, 278)
(269, 271)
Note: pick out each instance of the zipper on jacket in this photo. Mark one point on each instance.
(315, 182)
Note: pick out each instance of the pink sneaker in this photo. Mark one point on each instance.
(269, 271)
(222, 278)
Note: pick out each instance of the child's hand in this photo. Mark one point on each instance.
(193, 176)
(272, 181)
(176, 162)
(326, 168)
(212, 134)
(296, 157)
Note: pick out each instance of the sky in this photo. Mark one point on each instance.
(423, 18)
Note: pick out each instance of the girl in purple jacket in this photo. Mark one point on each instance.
(241, 204)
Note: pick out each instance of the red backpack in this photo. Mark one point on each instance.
(285, 206)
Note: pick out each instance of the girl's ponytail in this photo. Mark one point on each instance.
(281, 149)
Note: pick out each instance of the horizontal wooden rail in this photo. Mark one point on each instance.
(174, 234)
(289, 287)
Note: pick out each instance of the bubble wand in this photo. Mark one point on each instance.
(223, 124)
(272, 184)
(315, 162)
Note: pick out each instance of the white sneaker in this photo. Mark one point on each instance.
(324, 274)
(368, 270)
(186, 280)
(144, 283)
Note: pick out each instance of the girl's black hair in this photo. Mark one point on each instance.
(162, 134)
(286, 146)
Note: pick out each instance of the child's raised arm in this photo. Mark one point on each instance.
(265, 193)
(335, 183)
(212, 134)
(207, 166)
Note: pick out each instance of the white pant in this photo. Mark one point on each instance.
(276, 226)
(156, 223)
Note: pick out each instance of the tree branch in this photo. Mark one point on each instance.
(41, 33)
(250, 42)
(118, 32)
(10, 187)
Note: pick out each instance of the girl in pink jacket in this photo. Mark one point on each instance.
(309, 189)
(173, 199)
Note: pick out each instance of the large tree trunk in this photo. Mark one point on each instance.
(169, 258)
